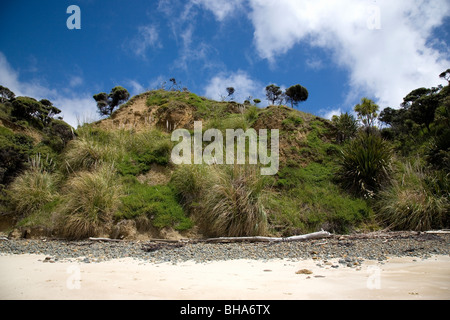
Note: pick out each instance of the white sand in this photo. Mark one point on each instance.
(28, 277)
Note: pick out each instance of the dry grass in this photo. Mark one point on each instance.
(232, 204)
(410, 203)
(33, 189)
(91, 199)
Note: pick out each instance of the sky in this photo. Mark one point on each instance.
(340, 51)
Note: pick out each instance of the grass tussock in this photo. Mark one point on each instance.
(226, 200)
(33, 189)
(90, 201)
(92, 148)
(414, 201)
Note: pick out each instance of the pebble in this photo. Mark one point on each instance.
(335, 253)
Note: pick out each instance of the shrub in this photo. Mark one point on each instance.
(412, 201)
(90, 201)
(365, 164)
(345, 127)
(310, 201)
(14, 152)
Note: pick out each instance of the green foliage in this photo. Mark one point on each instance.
(131, 152)
(107, 103)
(158, 203)
(273, 93)
(144, 149)
(6, 94)
(296, 94)
(367, 112)
(421, 125)
(309, 200)
(89, 151)
(292, 122)
(231, 121)
(14, 152)
(365, 164)
(251, 114)
(38, 113)
(346, 127)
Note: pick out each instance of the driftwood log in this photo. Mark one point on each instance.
(157, 244)
(105, 239)
(316, 235)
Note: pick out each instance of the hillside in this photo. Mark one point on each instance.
(116, 178)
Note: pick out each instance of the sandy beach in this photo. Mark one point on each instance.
(32, 277)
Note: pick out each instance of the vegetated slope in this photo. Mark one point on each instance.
(302, 197)
(116, 178)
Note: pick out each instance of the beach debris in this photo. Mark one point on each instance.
(105, 239)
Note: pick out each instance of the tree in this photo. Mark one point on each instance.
(107, 103)
(257, 101)
(6, 94)
(445, 75)
(40, 113)
(296, 94)
(48, 111)
(230, 91)
(175, 85)
(367, 112)
(273, 93)
(422, 104)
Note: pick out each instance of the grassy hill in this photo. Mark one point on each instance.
(115, 177)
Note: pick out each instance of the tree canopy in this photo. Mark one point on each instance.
(6, 94)
(107, 103)
(40, 112)
(367, 112)
(273, 93)
(296, 94)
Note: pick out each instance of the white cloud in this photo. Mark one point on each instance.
(384, 47)
(314, 63)
(220, 8)
(147, 37)
(328, 114)
(75, 81)
(240, 81)
(10, 79)
(136, 87)
(75, 107)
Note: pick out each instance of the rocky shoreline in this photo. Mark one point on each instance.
(337, 251)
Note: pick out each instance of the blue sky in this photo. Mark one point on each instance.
(340, 51)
